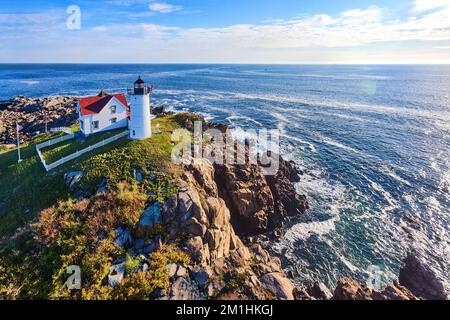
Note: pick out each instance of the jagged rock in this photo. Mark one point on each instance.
(320, 291)
(215, 286)
(203, 172)
(349, 289)
(181, 272)
(198, 252)
(32, 115)
(201, 275)
(248, 196)
(73, 178)
(420, 279)
(302, 294)
(124, 239)
(394, 292)
(278, 285)
(172, 269)
(183, 289)
(286, 199)
(116, 274)
(150, 217)
(157, 110)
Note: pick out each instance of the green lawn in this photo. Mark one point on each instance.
(66, 148)
(26, 188)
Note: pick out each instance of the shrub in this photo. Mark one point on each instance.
(236, 280)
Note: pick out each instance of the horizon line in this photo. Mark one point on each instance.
(228, 63)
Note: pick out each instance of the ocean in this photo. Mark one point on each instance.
(373, 142)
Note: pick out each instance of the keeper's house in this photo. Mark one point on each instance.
(103, 112)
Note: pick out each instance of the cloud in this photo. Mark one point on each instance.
(365, 32)
(426, 5)
(163, 7)
(52, 16)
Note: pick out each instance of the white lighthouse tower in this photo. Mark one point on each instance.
(140, 118)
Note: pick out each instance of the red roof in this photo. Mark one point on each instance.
(95, 104)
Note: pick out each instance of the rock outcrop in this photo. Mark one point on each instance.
(205, 219)
(349, 289)
(418, 277)
(32, 114)
(259, 203)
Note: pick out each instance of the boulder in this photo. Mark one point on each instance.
(184, 289)
(72, 179)
(197, 250)
(150, 217)
(286, 199)
(302, 294)
(124, 239)
(172, 269)
(420, 279)
(201, 275)
(116, 275)
(349, 289)
(320, 291)
(394, 292)
(278, 285)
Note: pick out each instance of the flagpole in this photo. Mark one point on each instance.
(18, 143)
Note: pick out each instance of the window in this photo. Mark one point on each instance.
(82, 125)
(113, 120)
(134, 133)
(113, 109)
(96, 124)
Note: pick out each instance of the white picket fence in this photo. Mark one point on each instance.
(61, 129)
(75, 155)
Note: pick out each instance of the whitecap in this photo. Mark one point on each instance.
(30, 82)
(303, 231)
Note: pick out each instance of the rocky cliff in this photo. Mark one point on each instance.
(139, 237)
(215, 205)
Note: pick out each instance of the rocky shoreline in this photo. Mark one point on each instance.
(215, 217)
(31, 114)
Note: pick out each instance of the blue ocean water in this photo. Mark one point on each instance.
(374, 142)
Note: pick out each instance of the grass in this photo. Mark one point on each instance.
(66, 148)
(71, 232)
(26, 188)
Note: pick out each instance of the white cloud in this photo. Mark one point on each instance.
(163, 7)
(354, 35)
(426, 5)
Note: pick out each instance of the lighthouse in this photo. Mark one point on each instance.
(140, 115)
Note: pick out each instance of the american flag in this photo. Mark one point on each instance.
(18, 127)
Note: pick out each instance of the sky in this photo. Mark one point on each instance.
(226, 31)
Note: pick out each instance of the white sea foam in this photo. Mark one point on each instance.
(303, 231)
(233, 118)
(310, 145)
(393, 204)
(30, 82)
(385, 169)
(442, 118)
(339, 145)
